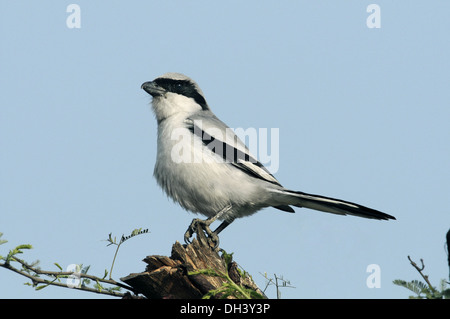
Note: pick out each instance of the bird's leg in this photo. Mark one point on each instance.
(222, 226)
(198, 224)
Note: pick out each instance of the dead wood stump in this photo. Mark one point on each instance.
(169, 278)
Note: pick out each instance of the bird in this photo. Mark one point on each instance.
(202, 165)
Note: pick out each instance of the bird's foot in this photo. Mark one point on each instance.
(198, 225)
(201, 225)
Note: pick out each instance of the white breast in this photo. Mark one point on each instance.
(194, 176)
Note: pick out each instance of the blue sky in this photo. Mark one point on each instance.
(363, 115)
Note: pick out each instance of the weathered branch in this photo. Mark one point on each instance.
(192, 271)
(181, 275)
(55, 275)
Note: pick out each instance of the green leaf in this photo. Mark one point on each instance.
(2, 241)
(113, 289)
(208, 272)
(134, 232)
(98, 286)
(85, 282)
(24, 246)
(415, 286)
(255, 295)
(228, 258)
(446, 293)
(40, 287)
(57, 265)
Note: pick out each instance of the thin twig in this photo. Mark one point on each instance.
(115, 255)
(420, 269)
(270, 281)
(61, 274)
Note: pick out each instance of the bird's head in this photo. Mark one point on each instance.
(174, 93)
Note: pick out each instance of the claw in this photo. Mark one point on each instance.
(215, 241)
(199, 225)
(187, 237)
(190, 231)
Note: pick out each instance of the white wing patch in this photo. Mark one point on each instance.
(232, 151)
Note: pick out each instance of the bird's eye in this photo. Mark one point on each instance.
(178, 87)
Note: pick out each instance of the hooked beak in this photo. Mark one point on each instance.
(152, 88)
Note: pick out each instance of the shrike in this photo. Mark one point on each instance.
(207, 169)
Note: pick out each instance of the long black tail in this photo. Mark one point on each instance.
(331, 205)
